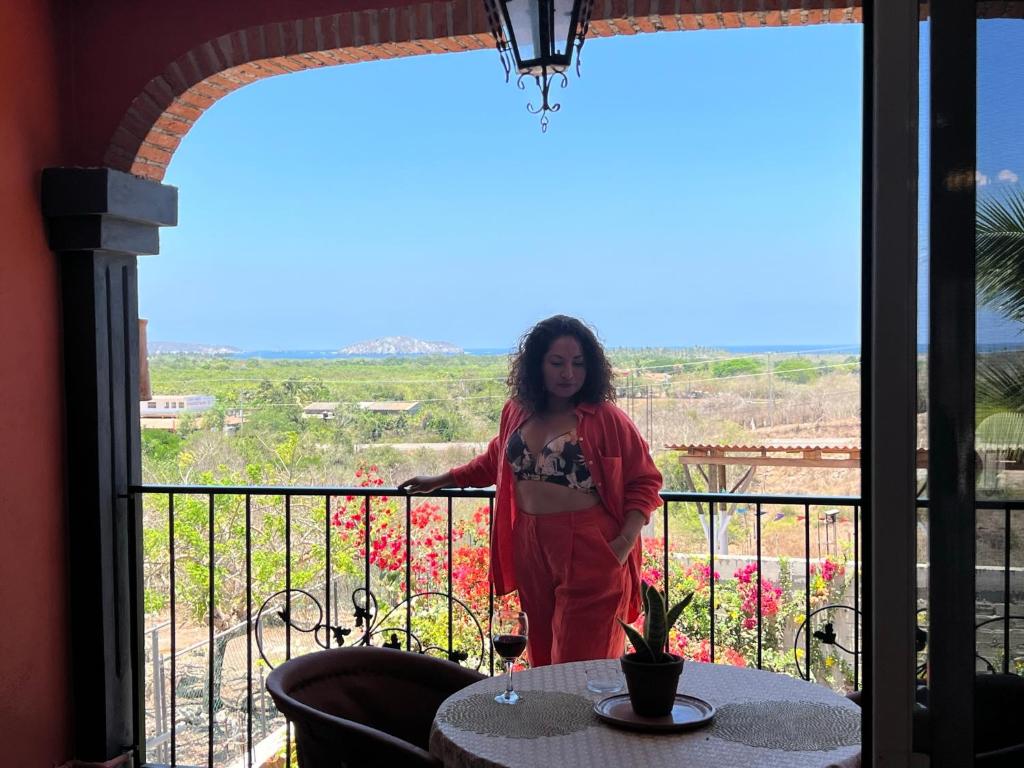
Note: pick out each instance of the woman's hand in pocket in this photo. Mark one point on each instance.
(621, 548)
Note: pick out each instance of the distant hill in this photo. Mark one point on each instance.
(182, 348)
(401, 345)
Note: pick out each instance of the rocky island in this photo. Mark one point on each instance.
(401, 345)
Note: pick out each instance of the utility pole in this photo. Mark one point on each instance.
(629, 383)
(771, 389)
(650, 417)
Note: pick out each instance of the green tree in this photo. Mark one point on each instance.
(673, 476)
(444, 424)
(160, 446)
(799, 370)
(740, 366)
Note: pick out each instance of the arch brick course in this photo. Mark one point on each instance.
(172, 102)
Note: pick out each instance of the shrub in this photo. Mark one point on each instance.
(740, 366)
(799, 370)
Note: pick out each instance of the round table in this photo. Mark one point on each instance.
(781, 714)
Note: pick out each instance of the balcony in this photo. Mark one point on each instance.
(286, 571)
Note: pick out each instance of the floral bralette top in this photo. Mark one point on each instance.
(560, 461)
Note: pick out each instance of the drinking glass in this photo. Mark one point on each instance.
(509, 640)
(603, 677)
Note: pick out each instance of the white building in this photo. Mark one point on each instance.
(170, 406)
(390, 406)
(324, 411)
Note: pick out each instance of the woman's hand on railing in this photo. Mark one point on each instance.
(425, 483)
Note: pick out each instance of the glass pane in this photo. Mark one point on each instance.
(999, 440)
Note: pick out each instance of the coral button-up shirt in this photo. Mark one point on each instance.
(619, 461)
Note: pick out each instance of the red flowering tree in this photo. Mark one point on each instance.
(425, 533)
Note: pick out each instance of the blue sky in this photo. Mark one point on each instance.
(695, 188)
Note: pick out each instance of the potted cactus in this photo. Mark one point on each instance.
(651, 672)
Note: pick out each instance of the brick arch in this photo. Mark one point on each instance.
(172, 102)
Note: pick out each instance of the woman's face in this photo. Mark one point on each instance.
(564, 367)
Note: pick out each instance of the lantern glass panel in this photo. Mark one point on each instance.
(542, 33)
(564, 28)
(524, 18)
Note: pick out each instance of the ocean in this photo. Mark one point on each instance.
(749, 349)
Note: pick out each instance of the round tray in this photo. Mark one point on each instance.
(687, 712)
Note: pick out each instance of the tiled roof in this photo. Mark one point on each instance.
(779, 446)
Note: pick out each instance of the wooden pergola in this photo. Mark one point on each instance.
(780, 453)
(711, 462)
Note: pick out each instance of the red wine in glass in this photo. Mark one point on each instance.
(509, 642)
(509, 647)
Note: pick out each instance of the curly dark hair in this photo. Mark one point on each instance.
(526, 378)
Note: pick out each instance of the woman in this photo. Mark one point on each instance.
(575, 485)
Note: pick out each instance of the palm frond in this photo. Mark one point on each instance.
(1002, 429)
(999, 384)
(999, 243)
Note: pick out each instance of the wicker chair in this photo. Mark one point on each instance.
(998, 712)
(364, 706)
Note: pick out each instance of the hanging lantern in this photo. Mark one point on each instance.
(538, 37)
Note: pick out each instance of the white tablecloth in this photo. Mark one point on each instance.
(599, 744)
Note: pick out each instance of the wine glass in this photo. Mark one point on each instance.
(509, 640)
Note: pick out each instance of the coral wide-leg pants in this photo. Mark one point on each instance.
(571, 585)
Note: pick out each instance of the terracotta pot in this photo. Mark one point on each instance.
(652, 687)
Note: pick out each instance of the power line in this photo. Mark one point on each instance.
(754, 375)
(728, 358)
(628, 388)
(311, 380)
(253, 406)
(257, 406)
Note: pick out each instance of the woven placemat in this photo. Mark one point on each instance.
(791, 726)
(537, 714)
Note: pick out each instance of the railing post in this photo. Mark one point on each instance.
(99, 221)
(159, 715)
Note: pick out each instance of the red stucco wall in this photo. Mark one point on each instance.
(34, 712)
(120, 45)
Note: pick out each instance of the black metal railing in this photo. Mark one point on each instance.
(1002, 592)
(308, 611)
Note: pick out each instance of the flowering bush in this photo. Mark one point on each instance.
(736, 603)
(823, 576)
(746, 589)
(782, 605)
(827, 586)
(427, 561)
(691, 636)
